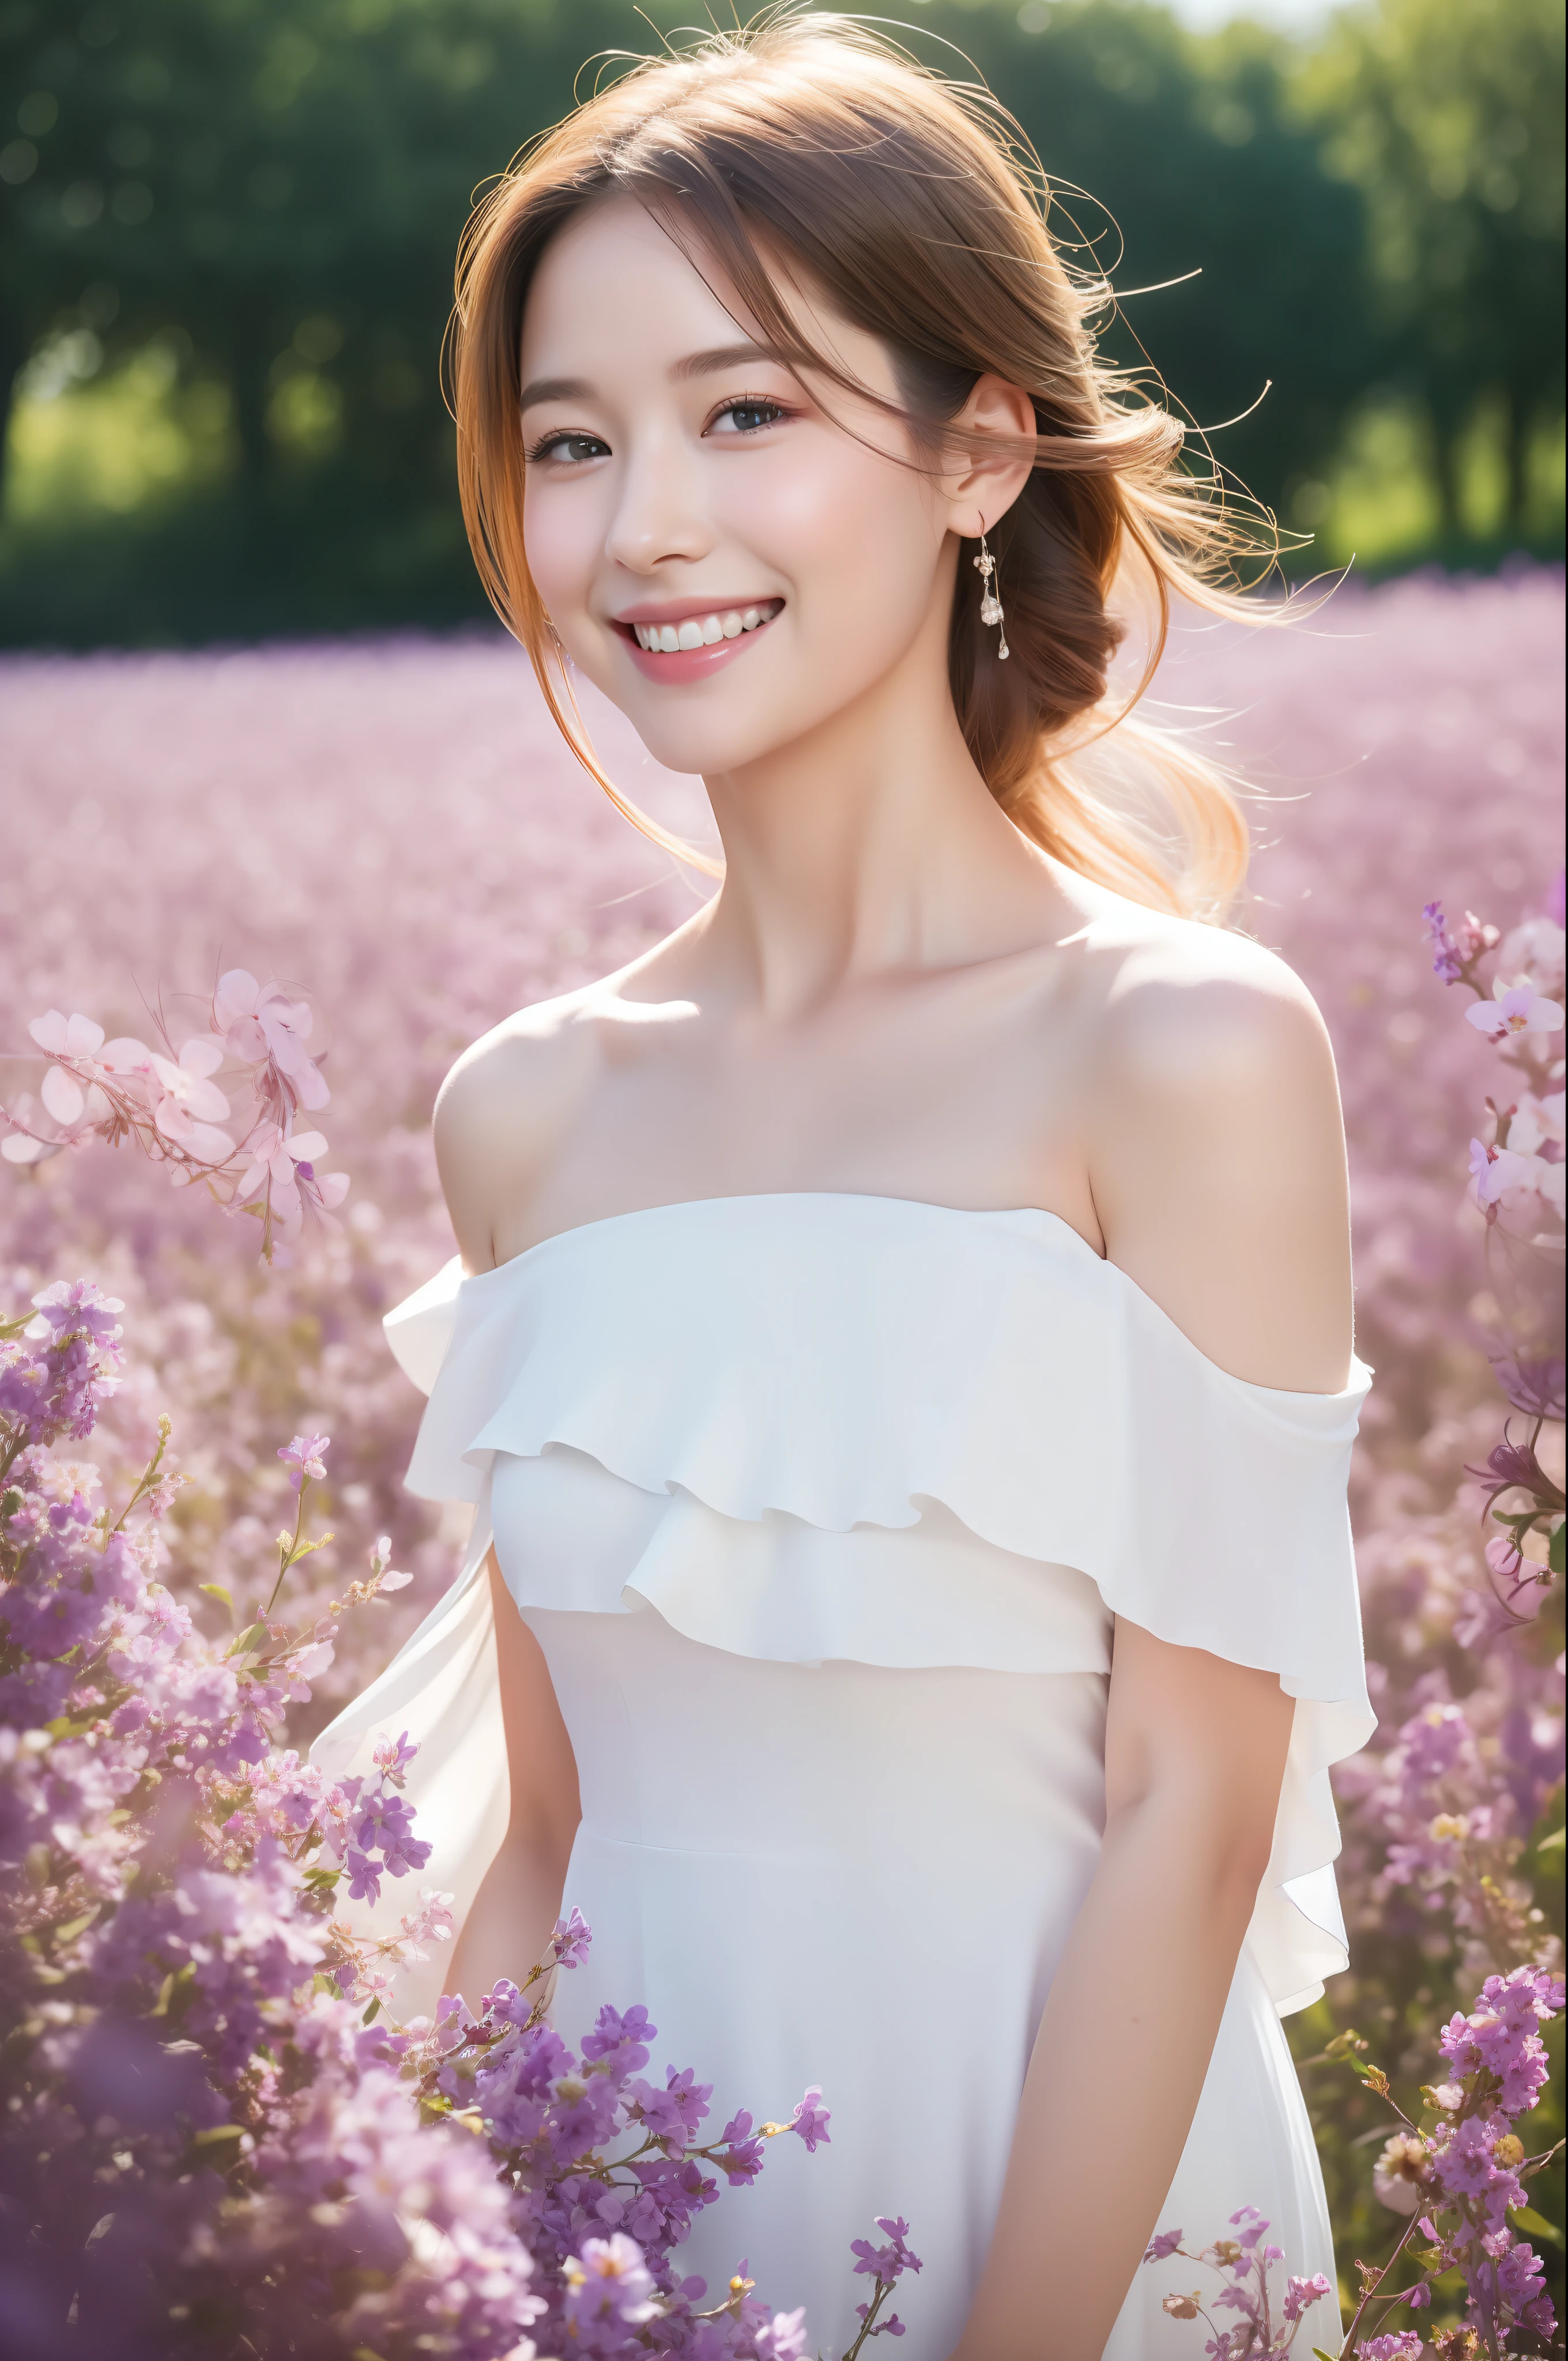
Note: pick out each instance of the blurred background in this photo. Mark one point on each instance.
(227, 228)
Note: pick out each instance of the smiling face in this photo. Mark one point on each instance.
(731, 566)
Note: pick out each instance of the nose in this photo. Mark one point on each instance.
(658, 517)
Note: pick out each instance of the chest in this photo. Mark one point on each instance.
(955, 1097)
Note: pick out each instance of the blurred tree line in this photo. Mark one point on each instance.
(242, 215)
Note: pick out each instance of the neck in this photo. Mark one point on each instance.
(869, 846)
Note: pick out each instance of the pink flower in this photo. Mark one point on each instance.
(76, 1037)
(256, 1022)
(1301, 2294)
(1536, 1123)
(1533, 950)
(279, 1164)
(305, 1456)
(88, 1063)
(1517, 1007)
(1496, 1170)
(309, 1663)
(66, 1036)
(186, 1103)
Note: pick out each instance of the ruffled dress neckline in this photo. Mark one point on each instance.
(829, 1392)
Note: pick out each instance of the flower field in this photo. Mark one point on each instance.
(391, 829)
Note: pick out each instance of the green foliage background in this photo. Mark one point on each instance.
(226, 233)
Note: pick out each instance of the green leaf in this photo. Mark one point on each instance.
(1554, 1555)
(69, 1724)
(74, 1926)
(1553, 1843)
(244, 1641)
(216, 1591)
(214, 2132)
(371, 2013)
(169, 1986)
(304, 1549)
(1525, 2217)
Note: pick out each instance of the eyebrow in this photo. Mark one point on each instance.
(694, 364)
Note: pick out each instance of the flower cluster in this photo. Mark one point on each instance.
(1245, 2264)
(1448, 1805)
(58, 1389)
(884, 2266)
(1449, 1820)
(206, 2151)
(1517, 1172)
(219, 2142)
(1459, 2171)
(607, 2167)
(172, 1106)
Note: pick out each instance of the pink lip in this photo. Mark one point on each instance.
(681, 610)
(685, 664)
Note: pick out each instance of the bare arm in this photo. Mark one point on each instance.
(491, 1120)
(519, 1899)
(1219, 1180)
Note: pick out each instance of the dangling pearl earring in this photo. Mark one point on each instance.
(990, 604)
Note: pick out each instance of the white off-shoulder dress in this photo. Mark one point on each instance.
(820, 1508)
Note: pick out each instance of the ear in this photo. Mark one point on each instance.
(982, 487)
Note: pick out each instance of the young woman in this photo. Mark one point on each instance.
(902, 1348)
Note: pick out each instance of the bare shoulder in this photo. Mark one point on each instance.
(1217, 1146)
(1195, 1008)
(505, 1106)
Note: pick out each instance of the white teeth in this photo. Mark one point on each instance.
(703, 630)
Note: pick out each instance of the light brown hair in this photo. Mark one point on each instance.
(916, 209)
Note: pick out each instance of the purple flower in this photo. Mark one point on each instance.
(623, 2039)
(608, 2288)
(1166, 2242)
(742, 2152)
(1511, 1465)
(386, 1824)
(889, 2262)
(56, 1373)
(1537, 1388)
(1501, 2036)
(570, 1939)
(672, 2113)
(1404, 2345)
(364, 1875)
(811, 2119)
(305, 1458)
(784, 2338)
(1302, 2294)
(392, 1757)
(1446, 964)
